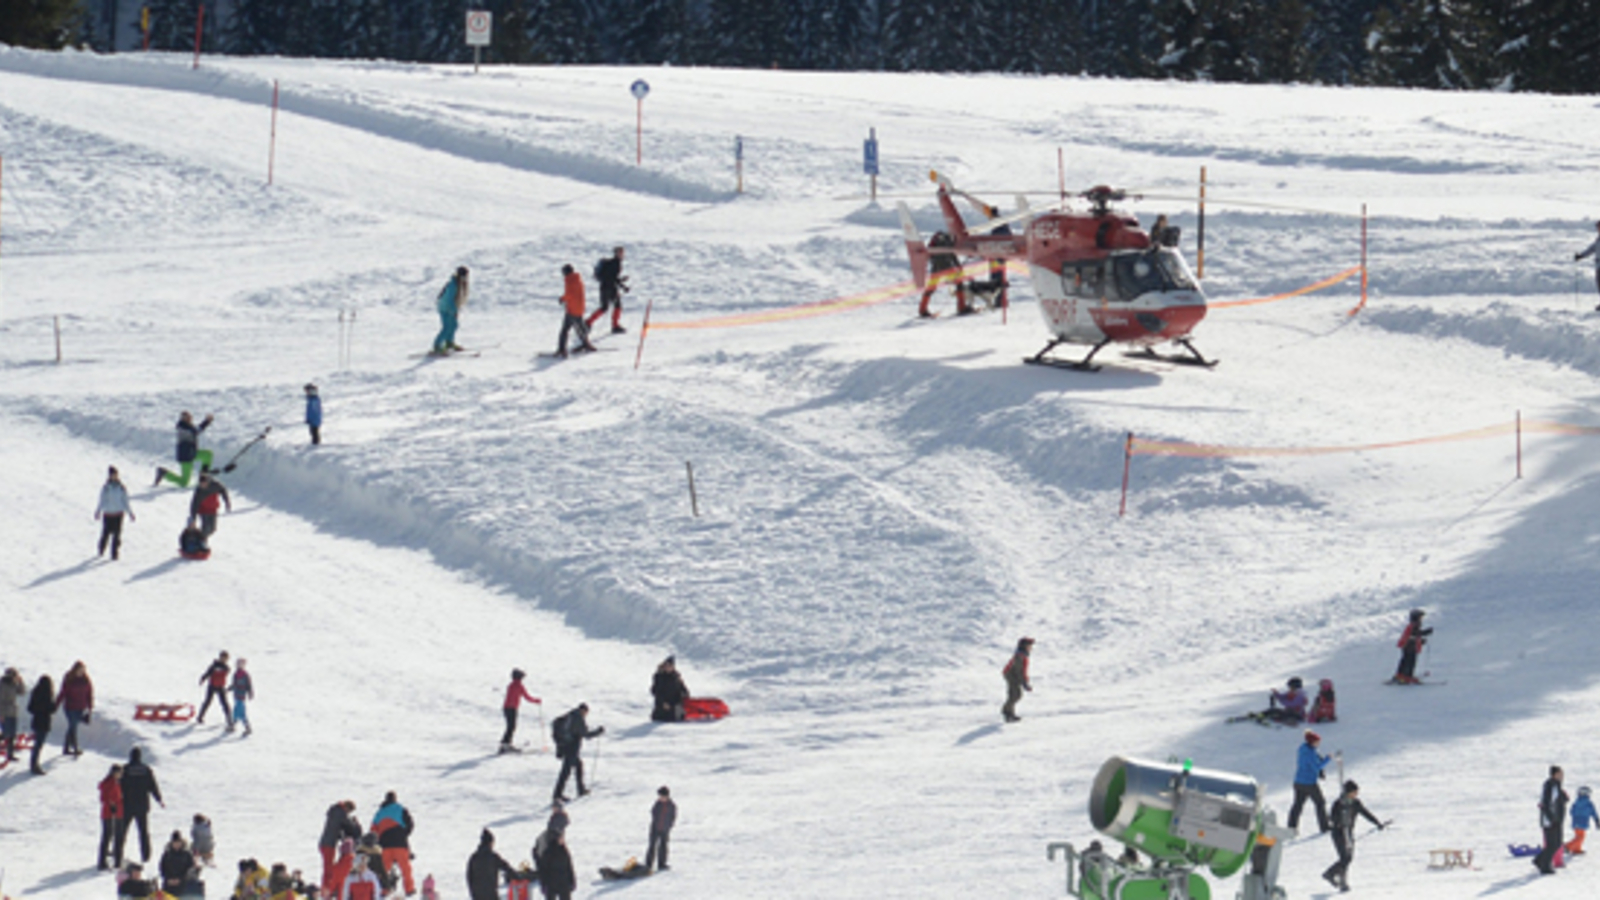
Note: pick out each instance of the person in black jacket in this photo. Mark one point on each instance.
(1345, 810)
(215, 678)
(484, 869)
(138, 786)
(42, 707)
(340, 824)
(178, 867)
(608, 272)
(1552, 820)
(663, 815)
(569, 746)
(669, 691)
(556, 877)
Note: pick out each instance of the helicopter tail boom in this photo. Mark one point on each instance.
(916, 249)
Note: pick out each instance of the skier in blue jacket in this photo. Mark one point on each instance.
(1308, 769)
(314, 413)
(1592, 250)
(451, 299)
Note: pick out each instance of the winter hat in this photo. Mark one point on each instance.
(311, 388)
(135, 755)
(370, 839)
(583, 706)
(566, 270)
(389, 798)
(663, 792)
(461, 271)
(1583, 791)
(1350, 787)
(1296, 683)
(1312, 737)
(1417, 613)
(486, 839)
(518, 674)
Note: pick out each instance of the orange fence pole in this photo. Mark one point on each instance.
(1362, 305)
(643, 330)
(1127, 464)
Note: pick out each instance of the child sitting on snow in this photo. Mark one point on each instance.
(1288, 706)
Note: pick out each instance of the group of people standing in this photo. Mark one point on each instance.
(575, 320)
(220, 681)
(75, 700)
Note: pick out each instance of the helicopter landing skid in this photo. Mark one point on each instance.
(1082, 365)
(1193, 359)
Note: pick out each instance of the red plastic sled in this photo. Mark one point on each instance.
(23, 741)
(163, 712)
(696, 708)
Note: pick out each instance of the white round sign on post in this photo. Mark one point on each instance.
(478, 24)
(639, 89)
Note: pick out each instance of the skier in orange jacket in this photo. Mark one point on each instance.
(572, 299)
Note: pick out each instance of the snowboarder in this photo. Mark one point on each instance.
(243, 689)
(1410, 644)
(662, 817)
(452, 297)
(42, 708)
(1345, 810)
(556, 876)
(1583, 818)
(209, 496)
(515, 694)
(608, 273)
(314, 414)
(941, 264)
(1016, 674)
(569, 733)
(1308, 769)
(112, 507)
(77, 701)
(12, 687)
(188, 451)
(1552, 820)
(202, 840)
(573, 300)
(392, 823)
(1592, 250)
(111, 820)
(339, 825)
(670, 692)
(215, 678)
(484, 869)
(138, 786)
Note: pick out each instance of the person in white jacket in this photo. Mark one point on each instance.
(113, 506)
(1592, 250)
(362, 883)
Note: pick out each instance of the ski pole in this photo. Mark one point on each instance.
(543, 747)
(594, 771)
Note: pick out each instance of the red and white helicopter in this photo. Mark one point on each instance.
(1099, 277)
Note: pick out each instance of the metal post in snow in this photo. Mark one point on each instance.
(1200, 231)
(694, 499)
(639, 89)
(1127, 464)
(58, 340)
(738, 162)
(643, 330)
(272, 142)
(1061, 171)
(199, 24)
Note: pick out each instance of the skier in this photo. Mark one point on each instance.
(670, 692)
(452, 297)
(1345, 810)
(42, 708)
(1288, 707)
(111, 819)
(209, 495)
(1410, 644)
(12, 687)
(572, 298)
(515, 694)
(113, 505)
(77, 701)
(138, 786)
(556, 876)
(1016, 675)
(339, 825)
(1583, 818)
(314, 414)
(243, 689)
(1592, 250)
(484, 868)
(608, 273)
(1308, 769)
(569, 732)
(940, 264)
(188, 451)
(393, 825)
(215, 678)
(662, 817)
(1552, 819)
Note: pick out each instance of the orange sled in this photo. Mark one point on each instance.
(163, 712)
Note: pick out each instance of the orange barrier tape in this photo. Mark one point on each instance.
(1324, 283)
(1140, 446)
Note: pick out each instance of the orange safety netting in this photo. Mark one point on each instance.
(1141, 446)
(1324, 283)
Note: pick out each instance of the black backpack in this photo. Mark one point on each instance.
(559, 729)
(597, 267)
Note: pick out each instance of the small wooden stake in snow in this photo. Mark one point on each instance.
(58, 340)
(272, 142)
(643, 330)
(199, 24)
(694, 500)
(1127, 463)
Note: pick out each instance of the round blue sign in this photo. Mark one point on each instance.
(639, 89)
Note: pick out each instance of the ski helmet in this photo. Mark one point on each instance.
(1583, 791)
(1295, 683)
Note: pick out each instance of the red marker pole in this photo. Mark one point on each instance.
(199, 25)
(1127, 464)
(272, 143)
(643, 330)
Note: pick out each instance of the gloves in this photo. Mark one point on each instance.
(599, 731)
(1380, 826)
(86, 718)
(1028, 688)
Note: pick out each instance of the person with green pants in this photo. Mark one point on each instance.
(188, 451)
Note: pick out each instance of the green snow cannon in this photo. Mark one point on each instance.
(1177, 814)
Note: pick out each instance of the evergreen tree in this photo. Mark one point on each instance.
(1123, 39)
(1551, 45)
(652, 32)
(41, 24)
(562, 31)
(172, 24)
(1445, 44)
(748, 34)
(1335, 38)
(1046, 36)
(932, 36)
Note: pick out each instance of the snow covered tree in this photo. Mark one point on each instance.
(652, 31)
(562, 31)
(172, 24)
(1550, 45)
(1445, 44)
(41, 24)
(1122, 38)
(1335, 38)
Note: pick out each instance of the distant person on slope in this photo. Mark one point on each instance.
(556, 876)
(515, 694)
(569, 733)
(452, 297)
(1288, 707)
(945, 268)
(77, 701)
(608, 273)
(1016, 675)
(663, 815)
(243, 691)
(111, 820)
(112, 507)
(188, 451)
(209, 496)
(215, 678)
(41, 709)
(1345, 810)
(572, 300)
(669, 690)
(1552, 820)
(339, 825)
(1308, 770)
(1410, 644)
(1592, 250)
(12, 689)
(314, 414)
(484, 869)
(392, 823)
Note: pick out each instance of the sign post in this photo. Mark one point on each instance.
(480, 22)
(144, 26)
(869, 160)
(639, 89)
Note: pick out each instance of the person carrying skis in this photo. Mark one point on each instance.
(187, 453)
(243, 689)
(452, 297)
(314, 414)
(1345, 810)
(1592, 250)
(1410, 644)
(945, 269)
(138, 786)
(608, 273)
(1308, 769)
(663, 815)
(1583, 818)
(484, 869)
(569, 733)
(392, 823)
(77, 701)
(572, 299)
(1016, 675)
(209, 496)
(1552, 820)
(215, 678)
(669, 690)
(515, 694)
(112, 507)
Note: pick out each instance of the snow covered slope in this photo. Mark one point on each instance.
(886, 505)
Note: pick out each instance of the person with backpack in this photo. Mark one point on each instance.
(215, 678)
(515, 694)
(572, 300)
(1016, 675)
(111, 820)
(112, 507)
(41, 709)
(138, 787)
(945, 269)
(314, 414)
(569, 732)
(77, 701)
(1583, 818)
(1345, 810)
(484, 869)
(451, 298)
(392, 823)
(1552, 820)
(1324, 708)
(188, 451)
(338, 825)
(243, 689)
(1308, 770)
(663, 815)
(608, 274)
(669, 691)
(209, 497)
(1410, 644)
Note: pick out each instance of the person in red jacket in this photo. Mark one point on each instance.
(572, 299)
(1016, 673)
(77, 700)
(515, 694)
(215, 678)
(111, 818)
(1410, 644)
(209, 496)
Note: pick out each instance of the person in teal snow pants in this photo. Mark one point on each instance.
(451, 299)
(188, 452)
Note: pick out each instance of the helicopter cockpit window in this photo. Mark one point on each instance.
(1086, 281)
(1173, 266)
(1149, 272)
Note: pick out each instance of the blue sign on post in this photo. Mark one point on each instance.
(869, 153)
(639, 89)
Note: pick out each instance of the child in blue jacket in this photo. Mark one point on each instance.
(314, 413)
(1583, 819)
